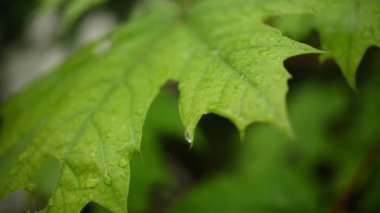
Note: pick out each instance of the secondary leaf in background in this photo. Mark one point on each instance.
(89, 114)
(72, 10)
(295, 26)
(347, 29)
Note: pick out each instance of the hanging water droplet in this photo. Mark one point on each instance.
(369, 33)
(91, 182)
(107, 135)
(123, 163)
(93, 154)
(107, 179)
(188, 138)
(51, 202)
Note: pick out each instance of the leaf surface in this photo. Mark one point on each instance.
(89, 114)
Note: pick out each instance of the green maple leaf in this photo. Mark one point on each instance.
(89, 114)
(347, 29)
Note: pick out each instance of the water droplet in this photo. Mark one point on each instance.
(91, 183)
(188, 138)
(108, 135)
(107, 179)
(102, 47)
(123, 163)
(51, 202)
(93, 154)
(369, 33)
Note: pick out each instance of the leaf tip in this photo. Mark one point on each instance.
(189, 137)
(350, 77)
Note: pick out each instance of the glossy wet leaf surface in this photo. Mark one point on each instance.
(89, 114)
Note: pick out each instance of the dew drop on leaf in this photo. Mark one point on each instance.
(91, 182)
(51, 202)
(123, 162)
(369, 33)
(188, 138)
(107, 179)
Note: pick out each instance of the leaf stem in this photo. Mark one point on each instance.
(371, 156)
